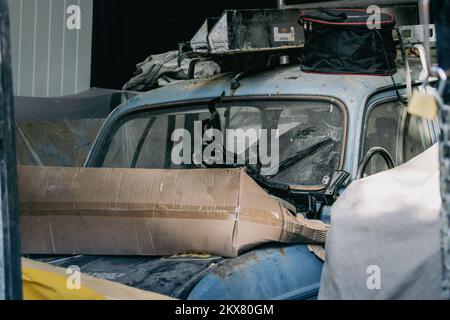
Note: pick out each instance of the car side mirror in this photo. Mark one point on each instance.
(338, 179)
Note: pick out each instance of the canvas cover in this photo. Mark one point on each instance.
(101, 211)
(384, 241)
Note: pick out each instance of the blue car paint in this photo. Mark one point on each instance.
(274, 273)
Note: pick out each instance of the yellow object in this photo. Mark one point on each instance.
(423, 105)
(42, 281)
(43, 285)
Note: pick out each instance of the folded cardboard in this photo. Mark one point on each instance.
(99, 211)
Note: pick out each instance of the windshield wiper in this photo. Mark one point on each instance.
(286, 164)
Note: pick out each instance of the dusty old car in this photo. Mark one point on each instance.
(331, 127)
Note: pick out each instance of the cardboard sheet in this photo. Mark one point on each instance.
(152, 212)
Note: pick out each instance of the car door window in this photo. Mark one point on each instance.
(384, 129)
(417, 137)
(389, 126)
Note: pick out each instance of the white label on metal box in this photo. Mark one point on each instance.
(284, 34)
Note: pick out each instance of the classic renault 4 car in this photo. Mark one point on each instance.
(330, 127)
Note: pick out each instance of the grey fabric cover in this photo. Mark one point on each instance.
(391, 221)
(162, 69)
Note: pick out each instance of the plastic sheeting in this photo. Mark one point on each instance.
(384, 241)
(60, 131)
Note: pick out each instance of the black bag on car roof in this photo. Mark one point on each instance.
(344, 41)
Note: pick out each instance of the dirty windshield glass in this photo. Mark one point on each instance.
(290, 142)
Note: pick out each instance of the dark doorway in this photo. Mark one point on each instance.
(126, 32)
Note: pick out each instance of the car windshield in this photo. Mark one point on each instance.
(290, 142)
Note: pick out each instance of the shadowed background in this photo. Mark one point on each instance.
(126, 32)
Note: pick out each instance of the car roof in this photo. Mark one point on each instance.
(352, 90)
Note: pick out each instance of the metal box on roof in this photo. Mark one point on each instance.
(250, 30)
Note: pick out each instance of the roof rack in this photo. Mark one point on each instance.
(246, 41)
(415, 34)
